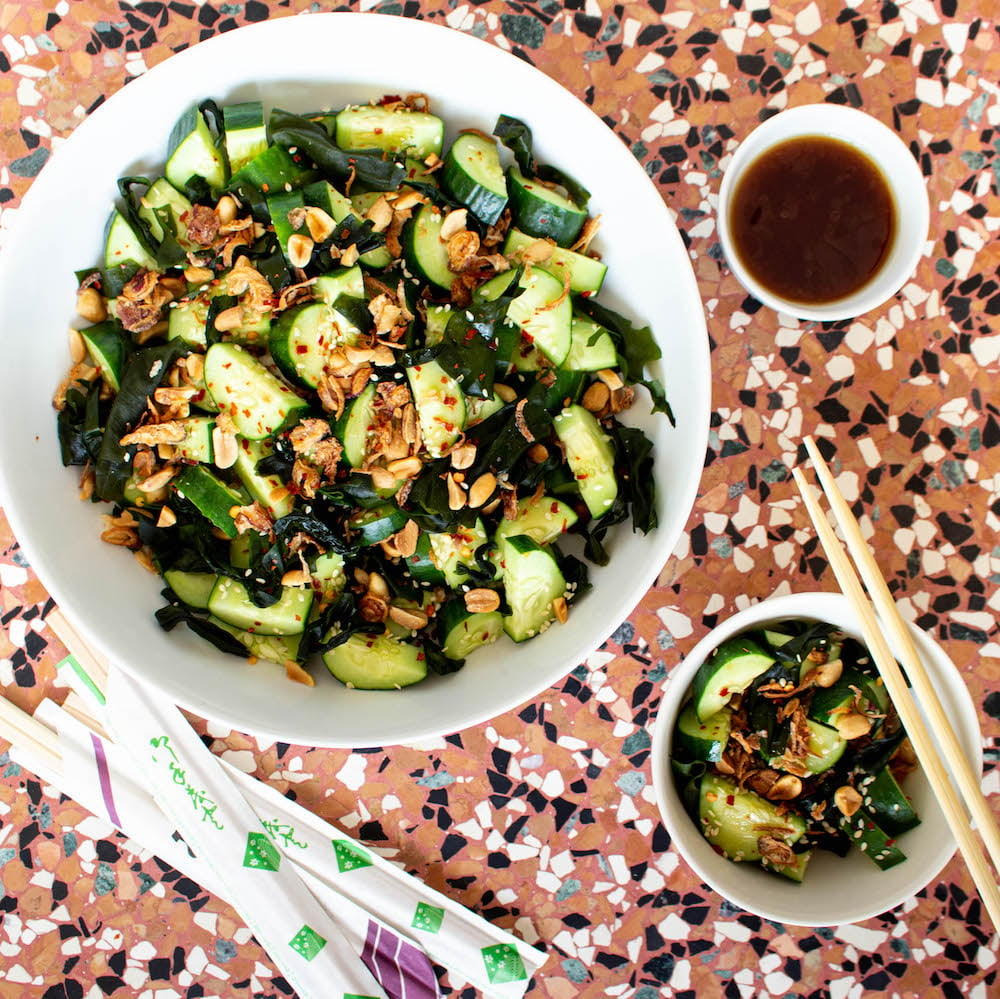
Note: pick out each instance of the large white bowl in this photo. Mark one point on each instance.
(835, 889)
(304, 63)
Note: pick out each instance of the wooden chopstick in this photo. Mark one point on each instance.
(22, 729)
(94, 663)
(918, 732)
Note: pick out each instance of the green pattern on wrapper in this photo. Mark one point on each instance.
(261, 854)
(503, 964)
(307, 942)
(350, 857)
(354, 995)
(85, 678)
(428, 917)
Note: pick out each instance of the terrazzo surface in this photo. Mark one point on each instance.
(544, 820)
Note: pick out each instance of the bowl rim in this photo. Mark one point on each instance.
(846, 124)
(255, 715)
(836, 609)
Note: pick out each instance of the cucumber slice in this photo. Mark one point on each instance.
(187, 320)
(160, 195)
(279, 205)
(197, 446)
(108, 346)
(590, 457)
(888, 805)
(472, 175)
(830, 703)
(478, 409)
(328, 576)
(824, 748)
(193, 588)
(273, 169)
(426, 254)
(532, 581)
(303, 337)
(449, 552)
(354, 425)
(421, 565)
(193, 154)
(585, 273)
(396, 130)
(729, 670)
(704, 740)
(230, 602)
(776, 638)
(436, 323)
(539, 210)
(543, 519)
(591, 347)
(322, 194)
(259, 404)
(873, 841)
(542, 311)
(347, 281)
(246, 133)
(380, 257)
(734, 820)
(462, 632)
(271, 648)
(124, 250)
(268, 490)
(377, 524)
(210, 495)
(440, 404)
(376, 662)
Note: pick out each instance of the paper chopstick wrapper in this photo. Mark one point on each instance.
(218, 824)
(469, 947)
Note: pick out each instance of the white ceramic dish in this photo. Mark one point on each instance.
(304, 63)
(835, 889)
(906, 183)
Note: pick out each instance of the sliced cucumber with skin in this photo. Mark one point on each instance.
(478, 409)
(450, 552)
(192, 588)
(728, 671)
(274, 169)
(210, 495)
(426, 254)
(532, 582)
(590, 457)
(734, 820)
(867, 836)
(197, 445)
(328, 576)
(246, 132)
(461, 631)
(256, 400)
(279, 205)
(271, 648)
(268, 490)
(193, 153)
(354, 426)
(108, 346)
(160, 195)
(824, 748)
(303, 337)
(436, 323)
(187, 320)
(376, 662)
(543, 519)
(472, 175)
(542, 311)
(886, 803)
(349, 281)
(586, 274)
(704, 740)
(123, 248)
(540, 210)
(377, 524)
(831, 703)
(591, 347)
(421, 565)
(380, 257)
(440, 404)
(231, 602)
(395, 130)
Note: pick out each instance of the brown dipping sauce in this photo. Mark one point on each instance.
(812, 219)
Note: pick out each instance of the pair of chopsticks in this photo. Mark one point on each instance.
(923, 735)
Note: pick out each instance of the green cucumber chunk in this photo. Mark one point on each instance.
(193, 154)
(542, 518)
(586, 274)
(328, 576)
(273, 169)
(729, 670)
(303, 337)
(192, 588)
(376, 662)
(451, 552)
(393, 129)
(377, 524)
(462, 632)
(124, 249)
(704, 740)
(256, 400)
(246, 132)
(440, 404)
(197, 445)
(231, 602)
(354, 425)
(268, 490)
(591, 347)
(540, 210)
(473, 176)
(108, 346)
(162, 196)
(590, 457)
(349, 281)
(867, 836)
(271, 648)
(425, 252)
(887, 804)
(210, 495)
(532, 582)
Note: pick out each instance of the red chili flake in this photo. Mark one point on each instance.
(730, 799)
(389, 99)
(554, 508)
(301, 348)
(420, 657)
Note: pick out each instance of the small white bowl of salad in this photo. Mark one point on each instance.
(783, 774)
(399, 388)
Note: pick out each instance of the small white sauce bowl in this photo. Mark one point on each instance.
(835, 890)
(897, 165)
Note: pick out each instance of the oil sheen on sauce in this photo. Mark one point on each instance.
(812, 219)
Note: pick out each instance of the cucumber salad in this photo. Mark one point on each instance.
(788, 744)
(347, 387)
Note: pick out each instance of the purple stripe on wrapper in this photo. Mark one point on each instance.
(404, 971)
(104, 777)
